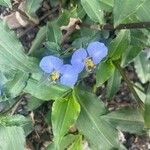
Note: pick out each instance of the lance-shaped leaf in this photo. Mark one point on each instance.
(64, 114)
(97, 131)
(14, 87)
(147, 109)
(93, 10)
(106, 5)
(65, 143)
(6, 3)
(104, 72)
(12, 53)
(77, 144)
(113, 84)
(31, 6)
(130, 54)
(40, 38)
(45, 91)
(126, 119)
(12, 138)
(54, 33)
(126, 11)
(119, 45)
(142, 67)
(16, 120)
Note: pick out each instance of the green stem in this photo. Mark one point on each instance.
(129, 84)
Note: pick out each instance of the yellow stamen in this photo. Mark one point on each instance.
(89, 64)
(54, 75)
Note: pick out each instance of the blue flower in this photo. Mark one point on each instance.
(89, 58)
(65, 74)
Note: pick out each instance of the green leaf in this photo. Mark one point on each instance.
(103, 72)
(126, 10)
(113, 84)
(63, 18)
(84, 38)
(14, 87)
(106, 5)
(119, 45)
(147, 109)
(12, 53)
(140, 91)
(144, 11)
(66, 141)
(93, 10)
(96, 130)
(6, 3)
(77, 144)
(130, 54)
(54, 33)
(40, 38)
(139, 37)
(53, 48)
(12, 138)
(45, 91)
(64, 113)
(31, 6)
(33, 103)
(126, 119)
(3, 78)
(16, 120)
(142, 67)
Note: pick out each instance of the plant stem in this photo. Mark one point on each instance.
(129, 84)
(14, 106)
(49, 14)
(138, 25)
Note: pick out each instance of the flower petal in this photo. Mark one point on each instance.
(69, 75)
(97, 51)
(50, 63)
(78, 58)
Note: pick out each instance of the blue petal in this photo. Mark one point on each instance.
(69, 75)
(78, 59)
(97, 51)
(50, 63)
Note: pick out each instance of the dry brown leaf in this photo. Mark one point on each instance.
(22, 6)
(32, 117)
(16, 20)
(16, 1)
(73, 24)
(21, 19)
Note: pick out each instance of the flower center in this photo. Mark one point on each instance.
(54, 75)
(89, 64)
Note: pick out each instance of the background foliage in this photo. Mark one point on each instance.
(76, 115)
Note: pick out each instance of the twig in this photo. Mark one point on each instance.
(140, 89)
(129, 84)
(16, 106)
(70, 28)
(19, 99)
(139, 25)
(41, 19)
(66, 36)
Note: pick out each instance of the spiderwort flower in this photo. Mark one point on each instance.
(89, 58)
(65, 74)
